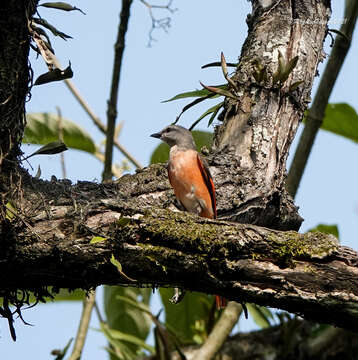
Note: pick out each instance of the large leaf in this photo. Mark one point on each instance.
(43, 128)
(185, 318)
(261, 315)
(195, 93)
(123, 316)
(341, 119)
(161, 153)
(326, 229)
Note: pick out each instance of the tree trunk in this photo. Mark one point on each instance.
(15, 78)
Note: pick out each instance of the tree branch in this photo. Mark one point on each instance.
(308, 274)
(220, 332)
(88, 304)
(112, 102)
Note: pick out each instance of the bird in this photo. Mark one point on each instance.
(189, 177)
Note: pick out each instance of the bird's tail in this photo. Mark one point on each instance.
(221, 302)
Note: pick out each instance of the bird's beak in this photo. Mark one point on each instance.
(156, 135)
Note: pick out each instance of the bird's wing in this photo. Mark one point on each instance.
(205, 172)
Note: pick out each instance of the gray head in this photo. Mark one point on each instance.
(176, 135)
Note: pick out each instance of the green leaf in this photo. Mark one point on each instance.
(341, 119)
(326, 229)
(54, 147)
(42, 128)
(61, 6)
(119, 349)
(183, 318)
(123, 221)
(126, 318)
(195, 93)
(134, 340)
(260, 314)
(97, 239)
(213, 110)
(161, 153)
(66, 295)
(10, 212)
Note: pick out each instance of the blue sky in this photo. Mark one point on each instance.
(200, 31)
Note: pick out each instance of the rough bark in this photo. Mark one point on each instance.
(14, 75)
(258, 129)
(49, 243)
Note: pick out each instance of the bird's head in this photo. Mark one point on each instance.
(176, 135)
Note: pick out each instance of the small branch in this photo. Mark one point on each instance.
(162, 23)
(112, 103)
(221, 331)
(316, 113)
(88, 304)
(60, 136)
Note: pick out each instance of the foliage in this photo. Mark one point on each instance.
(327, 229)
(341, 119)
(43, 128)
(124, 318)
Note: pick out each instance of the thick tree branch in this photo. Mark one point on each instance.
(49, 244)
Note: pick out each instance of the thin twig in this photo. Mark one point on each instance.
(161, 23)
(88, 304)
(112, 103)
(316, 113)
(60, 136)
(98, 312)
(220, 332)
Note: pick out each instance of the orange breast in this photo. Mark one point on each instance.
(188, 183)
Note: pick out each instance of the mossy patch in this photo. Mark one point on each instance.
(292, 246)
(181, 227)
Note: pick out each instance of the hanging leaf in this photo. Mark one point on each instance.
(195, 93)
(161, 153)
(54, 75)
(341, 119)
(213, 110)
(38, 173)
(218, 63)
(123, 316)
(54, 147)
(340, 33)
(261, 315)
(219, 91)
(61, 6)
(42, 128)
(193, 103)
(50, 27)
(183, 318)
